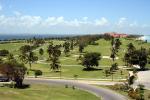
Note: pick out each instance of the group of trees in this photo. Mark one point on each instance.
(4, 52)
(136, 57)
(27, 55)
(69, 45)
(14, 71)
(83, 41)
(90, 60)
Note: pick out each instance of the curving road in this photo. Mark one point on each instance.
(105, 94)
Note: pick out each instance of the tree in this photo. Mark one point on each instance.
(114, 66)
(117, 44)
(81, 48)
(25, 49)
(91, 59)
(31, 58)
(37, 73)
(72, 44)
(54, 54)
(66, 46)
(14, 71)
(113, 54)
(41, 52)
(131, 48)
(136, 57)
(27, 55)
(142, 58)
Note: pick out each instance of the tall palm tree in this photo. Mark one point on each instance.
(54, 54)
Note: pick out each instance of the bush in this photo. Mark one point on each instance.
(114, 67)
(133, 94)
(37, 73)
(120, 87)
(4, 52)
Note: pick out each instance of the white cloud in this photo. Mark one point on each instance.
(122, 22)
(85, 18)
(102, 22)
(134, 24)
(32, 24)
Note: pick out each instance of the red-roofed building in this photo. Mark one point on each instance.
(117, 35)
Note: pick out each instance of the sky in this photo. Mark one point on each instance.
(74, 16)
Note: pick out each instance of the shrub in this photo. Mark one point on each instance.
(4, 52)
(37, 73)
(133, 94)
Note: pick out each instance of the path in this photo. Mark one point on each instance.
(105, 94)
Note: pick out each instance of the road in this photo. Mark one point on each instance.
(105, 94)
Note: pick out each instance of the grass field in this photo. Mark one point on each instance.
(70, 71)
(12, 47)
(70, 65)
(45, 92)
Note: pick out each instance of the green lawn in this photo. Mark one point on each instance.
(70, 71)
(103, 47)
(12, 47)
(45, 92)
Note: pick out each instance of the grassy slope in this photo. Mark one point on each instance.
(45, 92)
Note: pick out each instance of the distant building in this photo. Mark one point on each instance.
(117, 35)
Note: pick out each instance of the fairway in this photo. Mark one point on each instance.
(69, 64)
(45, 92)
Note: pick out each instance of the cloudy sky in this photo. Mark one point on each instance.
(74, 16)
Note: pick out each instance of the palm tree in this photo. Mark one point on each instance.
(31, 58)
(54, 54)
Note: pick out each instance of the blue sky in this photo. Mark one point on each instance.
(74, 16)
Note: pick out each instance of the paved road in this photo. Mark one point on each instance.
(105, 94)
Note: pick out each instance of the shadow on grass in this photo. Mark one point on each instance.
(91, 69)
(24, 86)
(146, 69)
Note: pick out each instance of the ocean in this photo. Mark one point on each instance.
(29, 36)
(146, 37)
